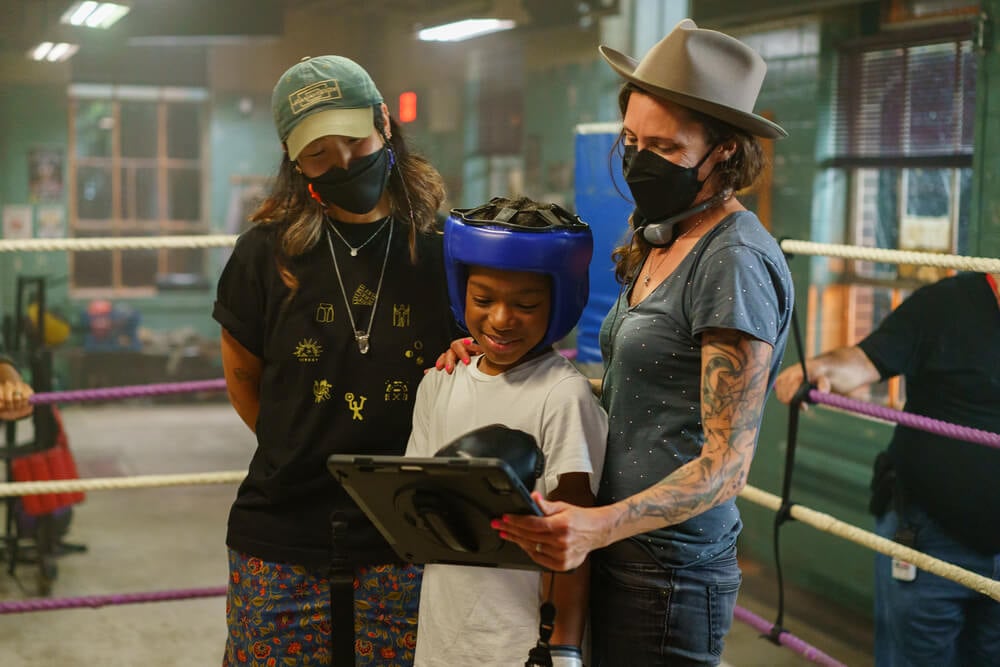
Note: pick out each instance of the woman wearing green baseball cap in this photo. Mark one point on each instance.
(327, 305)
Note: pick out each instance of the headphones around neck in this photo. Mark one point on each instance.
(662, 233)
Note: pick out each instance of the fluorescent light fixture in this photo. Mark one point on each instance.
(464, 29)
(94, 14)
(61, 51)
(53, 52)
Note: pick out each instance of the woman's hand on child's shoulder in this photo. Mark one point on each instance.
(460, 350)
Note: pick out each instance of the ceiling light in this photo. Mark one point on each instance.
(53, 52)
(94, 14)
(456, 31)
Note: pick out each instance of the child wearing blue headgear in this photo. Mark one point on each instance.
(517, 281)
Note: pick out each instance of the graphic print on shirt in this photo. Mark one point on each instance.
(363, 296)
(416, 353)
(308, 350)
(356, 406)
(397, 390)
(321, 390)
(324, 313)
(400, 314)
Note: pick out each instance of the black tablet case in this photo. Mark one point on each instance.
(438, 510)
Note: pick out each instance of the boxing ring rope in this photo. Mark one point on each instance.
(97, 601)
(119, 243)
(960, 262)
(829, 524)
(791, 246)
(938, 427)
(129, 391)
(10, 489)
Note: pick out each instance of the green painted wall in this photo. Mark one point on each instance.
(557, 99)
(31, 117)
(986, 178)
(240, 142)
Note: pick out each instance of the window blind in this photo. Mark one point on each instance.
(906, 104)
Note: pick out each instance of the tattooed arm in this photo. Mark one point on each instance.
(734, 374)
(733, 387)
(242, 371)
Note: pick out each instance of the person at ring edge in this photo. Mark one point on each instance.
(937, 495)
(518, 281)
(14, 392)
(327, 307)
(691, 349)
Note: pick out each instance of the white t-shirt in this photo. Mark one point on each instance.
(489, 616)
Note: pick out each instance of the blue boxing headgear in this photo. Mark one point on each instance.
(561, 249)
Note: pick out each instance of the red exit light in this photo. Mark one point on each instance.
(407, 107)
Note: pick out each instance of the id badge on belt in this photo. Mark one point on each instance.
(903, 571)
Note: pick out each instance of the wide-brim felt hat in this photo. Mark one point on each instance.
(704, 70)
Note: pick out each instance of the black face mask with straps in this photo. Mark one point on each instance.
(660, 187)
(358, 188)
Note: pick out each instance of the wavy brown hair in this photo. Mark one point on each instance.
(415, 187)
(737, 173)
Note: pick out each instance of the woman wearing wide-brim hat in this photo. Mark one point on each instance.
(691, 349)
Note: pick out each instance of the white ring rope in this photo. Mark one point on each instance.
(119, 243)
(979, 264)
(828, 524)
(818, 520)
(10, 489)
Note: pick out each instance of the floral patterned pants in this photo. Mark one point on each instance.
(279, 615)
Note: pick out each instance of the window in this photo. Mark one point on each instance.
(903, 137)
(136, 169)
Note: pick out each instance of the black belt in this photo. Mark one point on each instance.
(627, 551)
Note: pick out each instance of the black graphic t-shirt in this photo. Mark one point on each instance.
(945, 340)
(319, 395)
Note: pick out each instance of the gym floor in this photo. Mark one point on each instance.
(158, 539)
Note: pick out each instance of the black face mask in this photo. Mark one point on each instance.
(659, 187)
(358, 188)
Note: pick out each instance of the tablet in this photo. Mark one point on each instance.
(438, 510)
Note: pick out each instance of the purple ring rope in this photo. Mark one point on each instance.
(786, 639)
(132, 391)
(95, 601)
(911, 420)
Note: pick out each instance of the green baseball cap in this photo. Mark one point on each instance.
(320, 96)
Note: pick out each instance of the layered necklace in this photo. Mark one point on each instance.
(361, 337)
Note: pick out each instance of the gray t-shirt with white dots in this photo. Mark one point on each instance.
(735, 277)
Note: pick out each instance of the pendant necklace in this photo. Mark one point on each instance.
(361, 337)
(354, 251)
(663, 257)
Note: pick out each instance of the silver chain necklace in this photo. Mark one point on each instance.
(362, 337)
(354, 251)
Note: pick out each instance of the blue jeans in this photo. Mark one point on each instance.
(931, 621)
(643, 614)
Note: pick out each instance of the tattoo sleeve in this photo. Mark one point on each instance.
(734, 377)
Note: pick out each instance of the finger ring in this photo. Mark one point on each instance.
(538, 547)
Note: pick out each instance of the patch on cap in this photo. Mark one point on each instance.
(317, 93)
